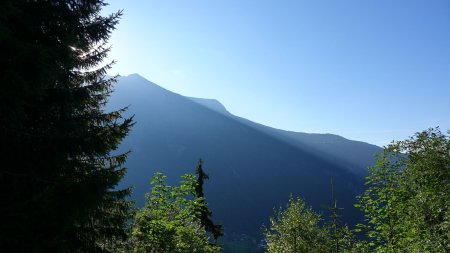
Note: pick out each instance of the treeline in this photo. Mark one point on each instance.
(406, 206)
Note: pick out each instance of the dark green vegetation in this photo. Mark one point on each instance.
(58, 175)
(406, 206)
(253, 167)
(201, 211)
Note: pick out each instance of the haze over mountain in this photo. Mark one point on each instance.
(253, 168)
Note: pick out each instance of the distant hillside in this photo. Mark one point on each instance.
(252, 167)
(353, 155)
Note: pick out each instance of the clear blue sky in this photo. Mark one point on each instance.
(373, 71)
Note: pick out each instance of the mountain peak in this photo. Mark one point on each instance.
(212, 104)
(136, 77)
(142, 84)
(138, 83)
(133, 75)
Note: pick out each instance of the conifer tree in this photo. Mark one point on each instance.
(204, 213)
(340, 235)
(58, 173)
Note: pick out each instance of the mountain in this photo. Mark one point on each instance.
(353, 155)
(253, 168)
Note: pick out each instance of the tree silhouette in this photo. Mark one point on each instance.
(58, 174)
(204, 213)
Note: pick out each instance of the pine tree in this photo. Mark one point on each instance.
(58, 173)
(205, 215)
(335, 223)
(341, 238)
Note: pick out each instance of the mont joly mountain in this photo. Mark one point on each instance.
(253, 168)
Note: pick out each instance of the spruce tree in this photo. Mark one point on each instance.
(204, 214)
(335, 220)
(58, 172)
(341, 238)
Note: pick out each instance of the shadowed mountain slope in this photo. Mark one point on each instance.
(252, 168)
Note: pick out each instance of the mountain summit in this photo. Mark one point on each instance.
(253, 168)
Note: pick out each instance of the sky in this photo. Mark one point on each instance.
(373, 71)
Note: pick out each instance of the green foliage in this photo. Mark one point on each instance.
(406, 206)
(381, 202)
(407, 200)
(169, 220)
(296, 229)
(58, 175)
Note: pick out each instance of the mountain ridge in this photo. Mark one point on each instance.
(217, 106)
(253, 168)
